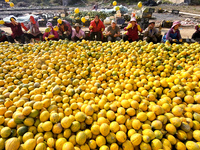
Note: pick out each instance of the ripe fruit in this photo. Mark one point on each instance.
(81, 138)
(99, 95)
(121, 136)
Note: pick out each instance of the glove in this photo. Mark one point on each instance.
(181, 40)
(125, 32)
(102, 29)
(139, 28)
(129, 26)
(23, 26)
(51, 36)
(2, 22)
(174, 40)
(91, 27)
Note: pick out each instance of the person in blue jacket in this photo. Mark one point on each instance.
(173, 35)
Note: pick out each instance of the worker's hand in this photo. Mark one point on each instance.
(139, 28)
(46, 38)
(115, 35)
(129, 26)
(181, 40)
(102, 29)
(81, 37)
(91, 27)
(2, 22)
(51, 36)
(174, 40)
(160, 28)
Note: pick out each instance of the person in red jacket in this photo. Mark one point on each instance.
(50, 33)
(132, 31)
(96, 28)
(16, 28)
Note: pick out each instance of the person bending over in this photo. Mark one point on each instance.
(17, 33)
(33, 27)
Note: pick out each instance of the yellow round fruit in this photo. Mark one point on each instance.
(156, 144)
(12, 4)
(12, 143)
(114, 3)
(68, 146)
(136, 139)
(121, 136)
(139, 4)
(100, 141)
(59, 143)
(30, 144)
(76, 10)
(81, 138)
(191, 145)
(104, 129)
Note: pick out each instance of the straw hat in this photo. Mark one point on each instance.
(77, 25)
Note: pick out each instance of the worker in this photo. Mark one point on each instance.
(132, 31)
(77, 33)
(96, 28)
(3, 36)
(196, 35)
(16, 28)
(151, 34)
(33, 26)
(65, 29)
(50, 33)
(113, 32)
(173, 35)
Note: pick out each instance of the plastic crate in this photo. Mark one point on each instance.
(147, 15)
(152, 10)
(120, 20)
(167, 24)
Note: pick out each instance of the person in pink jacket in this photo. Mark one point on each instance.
(77, 33)
(50, 33)
(33, 26)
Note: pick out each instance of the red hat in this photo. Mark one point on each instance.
(32, 19)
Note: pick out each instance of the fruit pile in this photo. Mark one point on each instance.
(91, 95)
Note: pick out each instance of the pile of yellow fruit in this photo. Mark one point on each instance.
(60, 95)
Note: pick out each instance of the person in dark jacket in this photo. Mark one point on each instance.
(151, 34)
(132, 31)
(96, 28)
(196, 35)
(3, 36)
(173, 35)
(113, 32)
(17, 32)
(65, 29)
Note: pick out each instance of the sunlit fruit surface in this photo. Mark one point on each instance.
(60, 95)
